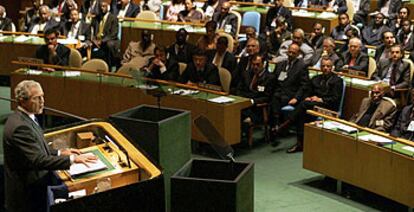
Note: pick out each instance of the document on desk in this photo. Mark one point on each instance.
(80, 168)
(184, 92)
(332, 125)
(375, 138)
(21, 38)
(221, 99)
(71, 73)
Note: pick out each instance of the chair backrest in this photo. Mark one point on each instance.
(252, 18)
(411, 67)
(372, 66)
(351, 10)
(225, 79)
(181, 67)
(75, 58)
(95, 65)
(230, 40)
(147, 14)
(239, 20)
(126, 69)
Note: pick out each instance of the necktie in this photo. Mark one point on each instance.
(393, 73)
(253, 83)
(101, 28)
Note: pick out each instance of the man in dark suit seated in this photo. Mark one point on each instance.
(325, 91)
(52, 52)
(389, 7)
(91, 9)
(161, 67)
(394, 71)
(404, 127)
(125, 8)
(255, 85)
(405, 36)
(5, 23)
(327, 50)
(355, 59)
(336, 6)
(383, 51)
(339, 32)
(221, 57)
(277, 10)
(252, 48)
(376, 112)
(43, 22)
(361, 16)
(290, 79)
(181, 50)
(200, 71)
(106, 43)
(28, 160)
(371, 34)
(316, 37)
(226, 21)
(78, 29)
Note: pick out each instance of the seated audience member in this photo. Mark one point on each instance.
(277, 36)
(225, 20)
(255, 86)
(252, 48)
(298, 37)
(277, 10)
(405, 36)
(404, 128)
(90, 9)
(174, 8)
(151, 5)
(200, 71)
(210, 7)
(30, 15)
(397, 22)
(139, 52)
(361, 15)
(44, 22)
(208, 41)
(336, 6)
(161, 67)
(394, 71)
(5, 23)
(181, 50)
(376, 112)
(290, 79)
(383, 51)
(105, 41)
(220, 57)
(339, 32)
(351, 32)
(65, 17)
(78, 29)
(371, 34)
(389, 7)
(315, 38)
(325, 91)
(327, 50)
(250, 33)
(125, 8)
(59, 8)
(190, 13)
(355, 59)
(52, 52)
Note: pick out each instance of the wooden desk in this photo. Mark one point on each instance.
(164, 34)
(376, 169)
(98, 97)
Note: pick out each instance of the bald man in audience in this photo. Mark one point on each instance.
(44, 22)
(354, 58)
(376, 112)
(225, 20)
(298, 37)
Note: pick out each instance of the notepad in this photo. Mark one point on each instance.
(21, 38)
(34, 72)
(71, 73)
(221, 99)
(80, 168)
(375, 138)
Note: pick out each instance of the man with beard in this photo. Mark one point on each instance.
(78, 29)
(139, 52)
(376, 112)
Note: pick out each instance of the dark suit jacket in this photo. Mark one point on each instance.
(62, 57)
(338, 33)
(400, 129)
(361, 61)
(328, 87)
(393, 8)
(258, 95)
(110, 31)
(6, 24)
(49, 24)
(342, 8)
(95, 10)
(171, 73)
(406, 45)
(210, 75)
(337, 61)
(274, 12)
(316, 42)
(185, 56)
(84, 29)
(27, 162)
(373, 38)
(383, 117)
(295, 83)
(229, 19)
(132, 11)
(402, 78)
(378, 52)
(229, 61)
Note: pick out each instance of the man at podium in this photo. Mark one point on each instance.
(28, 159)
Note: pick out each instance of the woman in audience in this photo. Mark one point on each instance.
(209, 40)
(190, 13)
(174, 8)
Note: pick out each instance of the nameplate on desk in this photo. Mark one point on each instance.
(30, 60)
(209, 86)
(355, 73)
(325, 111)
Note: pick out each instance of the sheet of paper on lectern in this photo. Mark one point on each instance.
(375, 138)
(80, 168)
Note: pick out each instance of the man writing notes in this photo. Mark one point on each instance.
(28, 159)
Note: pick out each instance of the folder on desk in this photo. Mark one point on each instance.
(80, 168)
